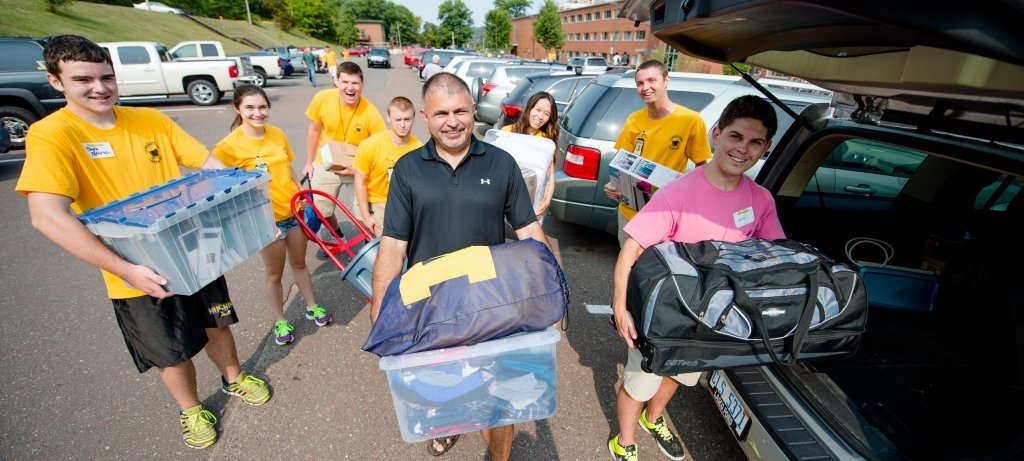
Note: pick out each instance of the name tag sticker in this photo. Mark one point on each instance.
(98, 149)
(743, 217)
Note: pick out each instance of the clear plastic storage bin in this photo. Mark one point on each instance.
(190, 230)
(466, 389)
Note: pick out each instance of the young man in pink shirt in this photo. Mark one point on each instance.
(713, 202)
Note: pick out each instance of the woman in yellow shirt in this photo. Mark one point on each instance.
(255, 144)
(540, 118)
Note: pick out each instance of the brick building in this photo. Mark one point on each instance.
(592, 28)
(371, 33)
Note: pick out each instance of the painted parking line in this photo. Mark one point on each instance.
(599, 309)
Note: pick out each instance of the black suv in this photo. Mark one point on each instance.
(25, 95)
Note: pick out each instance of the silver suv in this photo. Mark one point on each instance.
(592, 123)
(503, 79)
(588, 64)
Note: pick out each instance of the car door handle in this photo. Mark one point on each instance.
(862, 189)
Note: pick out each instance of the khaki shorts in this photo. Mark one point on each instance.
(330, 183)
(377, 210)
(641, 385)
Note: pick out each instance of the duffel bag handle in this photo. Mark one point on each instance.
(744, 302)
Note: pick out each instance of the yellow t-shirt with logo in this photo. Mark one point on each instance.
(671, 140)
(66, 156)
(344, 124)
(375, 157)
(241, 151)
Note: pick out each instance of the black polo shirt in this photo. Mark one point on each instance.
(439, 209)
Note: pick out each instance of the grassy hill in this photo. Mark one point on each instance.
(107, 23)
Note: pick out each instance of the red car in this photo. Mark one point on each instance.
(413, 55)
(360, 50)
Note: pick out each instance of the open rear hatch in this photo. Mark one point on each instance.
(941, 386)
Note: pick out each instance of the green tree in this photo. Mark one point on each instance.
(54, 6)
(547, 29)
(429, 37)
(282, 14)
(728, 70)
(497, 29)
(347, 32)
(456, 23)
(312, 18)
(515, 8)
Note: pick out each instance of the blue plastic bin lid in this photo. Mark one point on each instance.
(143, 209)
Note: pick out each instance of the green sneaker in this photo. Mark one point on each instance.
(667, 441)
(250, 388)
(622, 453)
(318, 315)
(197, 427)
(283, 332)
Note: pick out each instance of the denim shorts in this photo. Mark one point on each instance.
(284, 226)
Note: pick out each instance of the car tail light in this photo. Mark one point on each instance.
(233, 71)
(488, 87)
(511, 110)
(582, 162)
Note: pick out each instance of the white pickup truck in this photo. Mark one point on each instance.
(264, 64)
(145, 71)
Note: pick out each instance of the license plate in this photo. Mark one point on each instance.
(735, 413)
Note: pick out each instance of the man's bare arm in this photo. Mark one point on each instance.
(52, 216)
(390, 257)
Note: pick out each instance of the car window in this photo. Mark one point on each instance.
(209, 49)
(187, 51)
(480, 69)
(998, 195)
(133, 55)
(625, 101)
(598, 62)
(515, 74)
(582, 109)
(562, 90)
(865, 168)
(20, 56)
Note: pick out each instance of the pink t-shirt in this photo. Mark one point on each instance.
(691, 209)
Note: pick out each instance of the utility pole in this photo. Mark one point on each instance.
(453, 38)
(247, 13)
(399, 28)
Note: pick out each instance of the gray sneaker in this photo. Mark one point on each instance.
(667, 441)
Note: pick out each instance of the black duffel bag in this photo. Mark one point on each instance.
(714, 305)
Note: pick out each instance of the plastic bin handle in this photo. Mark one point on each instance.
(168, 199)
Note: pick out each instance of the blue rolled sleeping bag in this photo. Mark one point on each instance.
(470, 296)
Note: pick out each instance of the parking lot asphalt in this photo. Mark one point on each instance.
(70, 391)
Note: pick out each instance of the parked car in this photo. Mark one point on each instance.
(428, 56)
(25, 95)
(563, 86)
(593, 120)
(450, 67)
(145, 71)
(474, 69)
(264, 64)
(378, 57)
(938, 375)
(412, 55)
(158, 7)
(588, 64)
(291, 54)
(361, 50)
(496, 86)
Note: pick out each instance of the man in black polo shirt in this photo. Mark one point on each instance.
(452, 193)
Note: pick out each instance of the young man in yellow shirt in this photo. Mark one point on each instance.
(331, 61)
(375, 158)
(672, 134)
(93, 152)
(340, 114)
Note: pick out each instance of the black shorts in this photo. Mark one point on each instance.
(165, 332)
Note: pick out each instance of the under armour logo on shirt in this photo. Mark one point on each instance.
(485, 181)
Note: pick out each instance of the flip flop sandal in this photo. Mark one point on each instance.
(446, 444)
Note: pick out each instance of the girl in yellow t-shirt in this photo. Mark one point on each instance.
(540, 118)
(254, 144)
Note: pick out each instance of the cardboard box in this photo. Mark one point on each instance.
(639, 178)
(190, 230)
(337, 155)
(465, 389)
